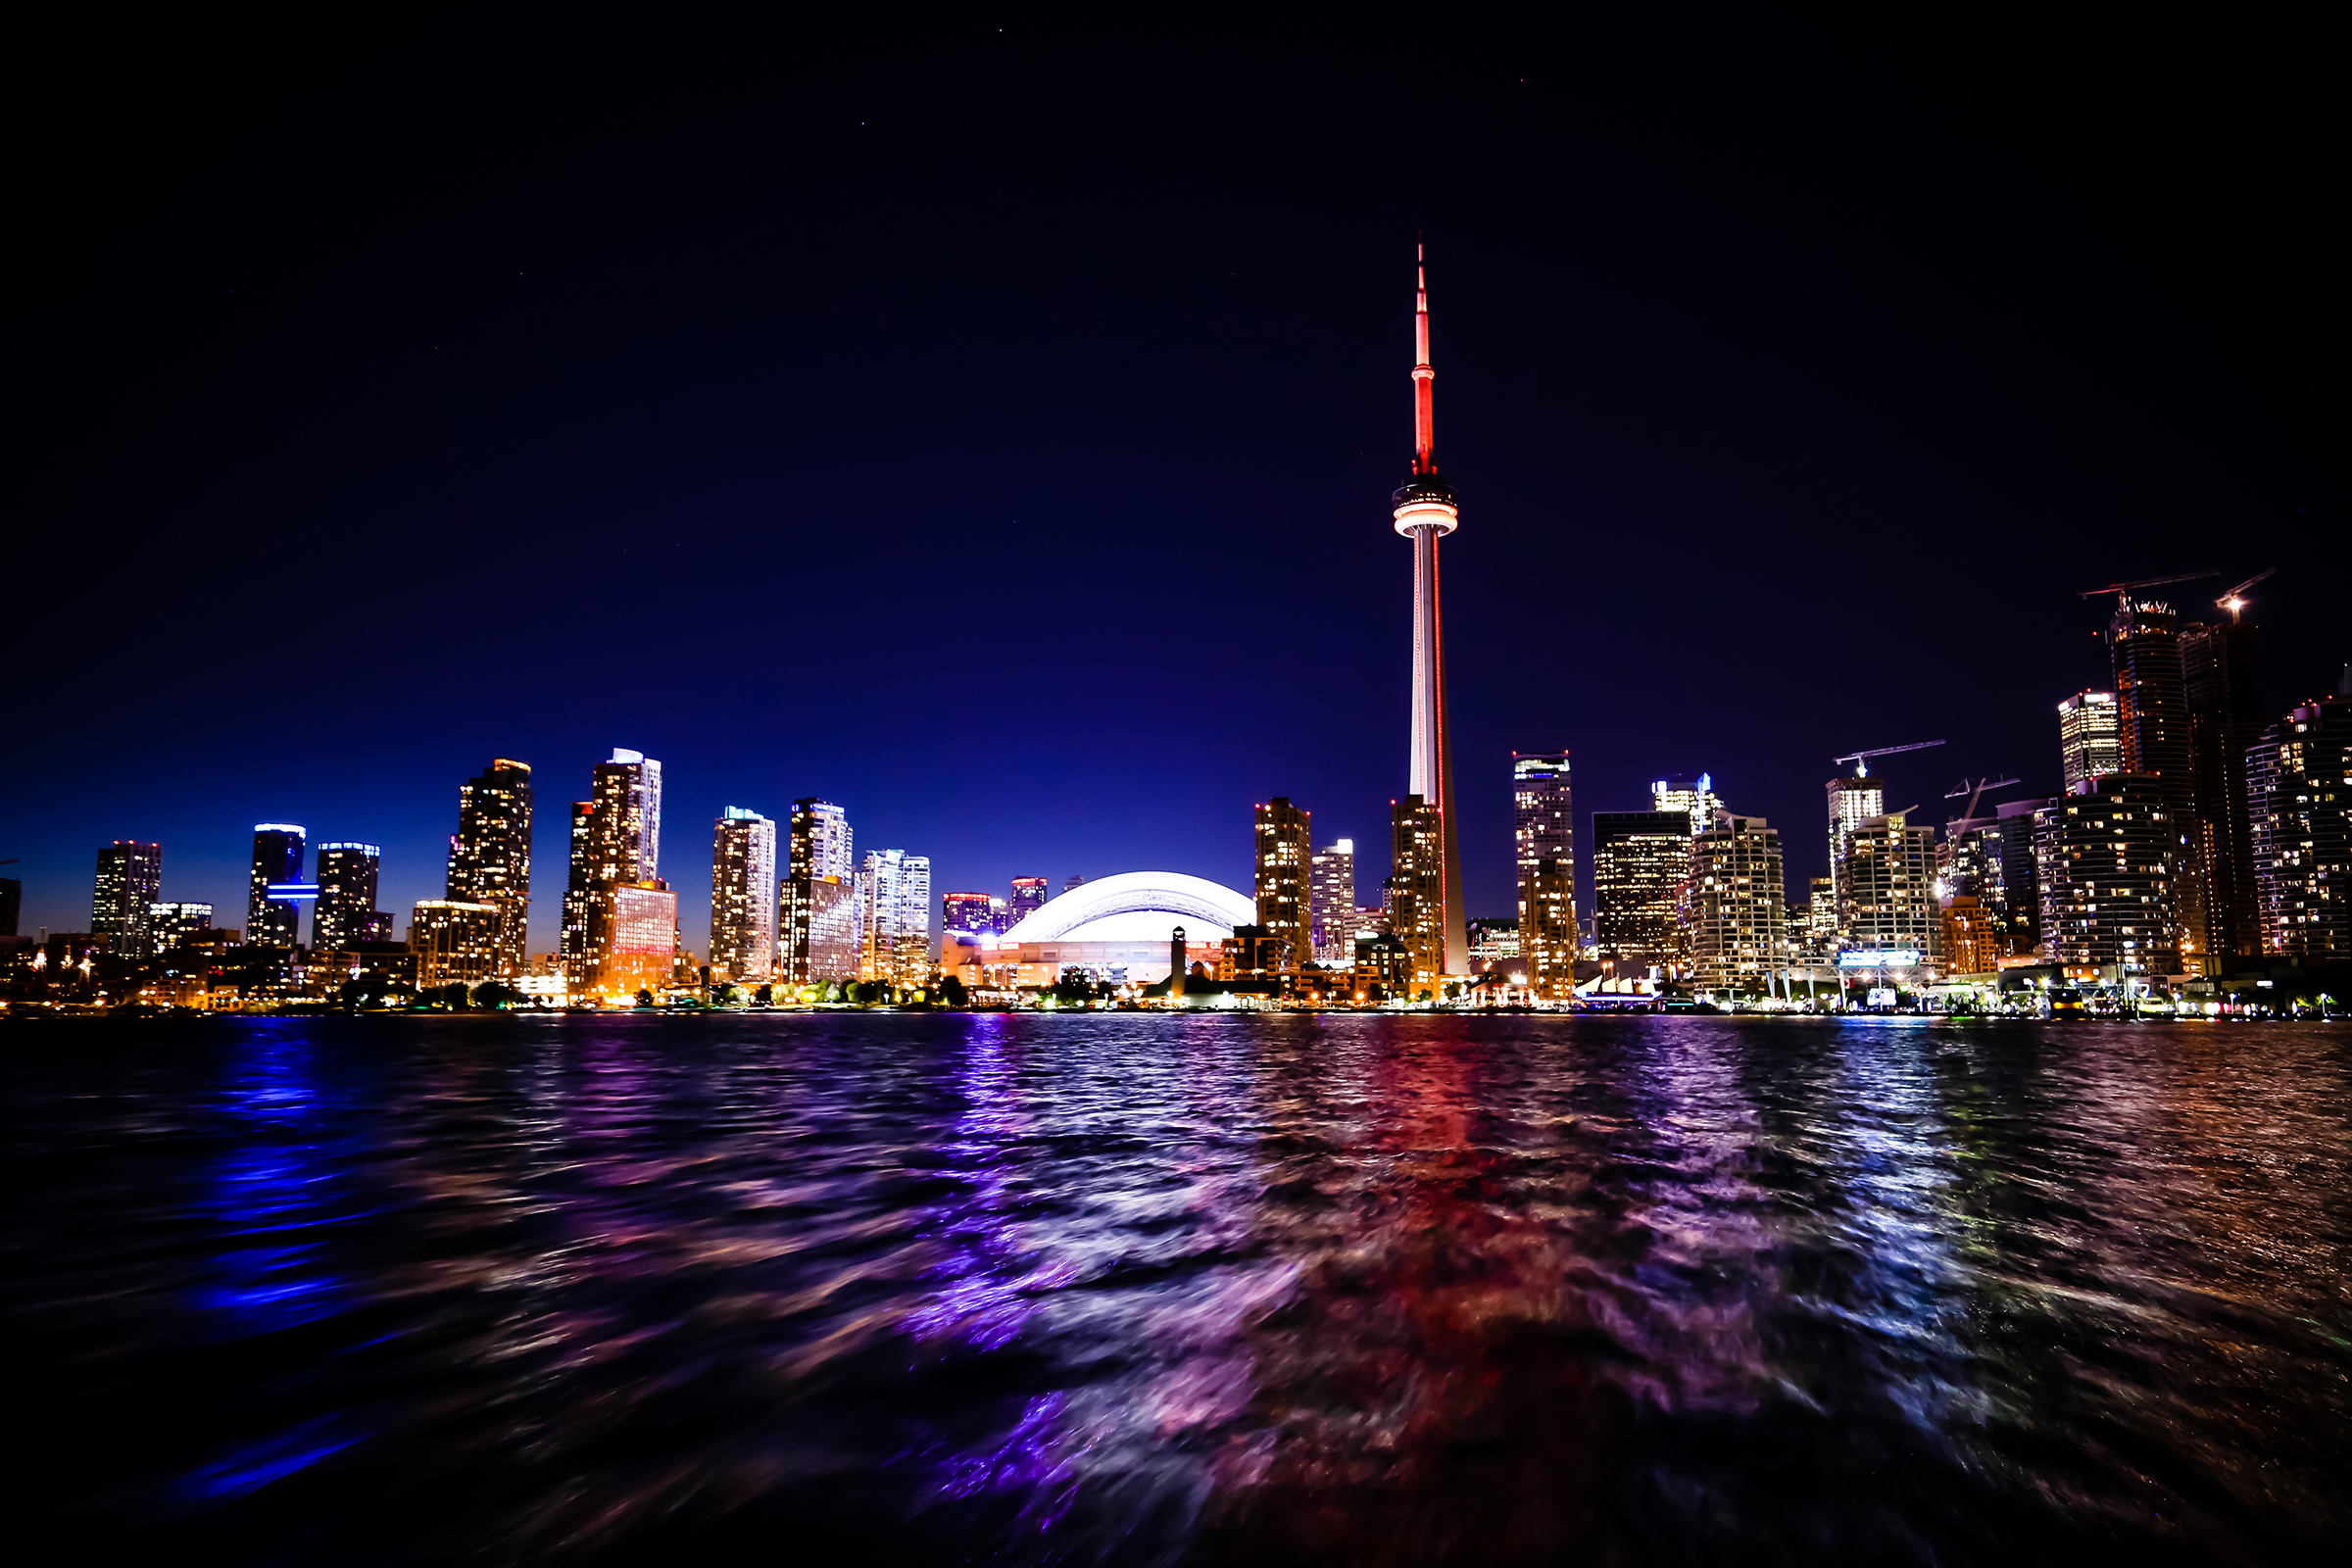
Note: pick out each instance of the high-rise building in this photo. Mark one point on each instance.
(345, 914)
(1974, 938)
(278, 850)
(455, 943)
(1331, 876)
(2089, 744)
(1694, 798)
(2153, 729)
(1735, 906)
(1425, 511)
(2220, 683)
(1888, 904)
(894, 909)
(490, 854)
(2299, 797)
(130, 879)
(1969, 861)
(968, 912)
(1284, 849)
(1854, 801)
(742, 899)
(1544, 844)
(1818, 940)
(615, 843)
(1029, 895)
(2104, 854)
(2021, 873)
(1418, 888)
(1639, 860)
(817, 916)
(175, 925)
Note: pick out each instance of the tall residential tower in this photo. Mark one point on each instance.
(490, 856)
(1543, 841)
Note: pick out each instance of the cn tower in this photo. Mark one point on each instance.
(1424, 514)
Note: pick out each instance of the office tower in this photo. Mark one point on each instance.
(1284, 849)
(1639, 860)
(1331, 876)
(1969, 861)
(2221, 684)
(2152, 729)
(1818, 940)
(2090, 743)
(1694, 798)
(893, 907)
(490, 854)
(173, 925)
(345, 914)
(1734, 904)
(1888, 901)
(1853, 800)
(455, 943)
(615, 843)
(743, 900)
(2021, 875)
(2300, 797)
(1544, 844)
(966, 912)
(1418, 888)
(2104, 856)
(817, 916)
(1000, 916)
(579, 891)
(130, 877)
(1425, 511)
(278, 856)
(1029, 895)
(1975, 940)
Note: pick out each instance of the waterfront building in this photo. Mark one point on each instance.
(616, 843)
(640, 949)
(2221, 684)
(176, 925)
(1734, 905)
(2299, 794)
(1544, 844)
(2155, 740)
(1029, 895)
(2021, 873)
(968, 912)
(455, 943)
(130, 880)
(1115, 927)
(1968, 862)
(1425, 511)
(1887, 904)
(817, 914)
(2104, 856)
(1418, 888)
(1694, 798)
(894, 918)
(1639, 862)
(1253, 952)
(2089, 741)
(1285, 851)
(345, 912)
(1384, 966)
(1494, 946)
(490, 854)
(1975, 940)
(1854, 801)
(278, 850)
(743, 902)
(1331, 878)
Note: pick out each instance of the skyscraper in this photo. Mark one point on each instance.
(2220, 683)
(2088, 744)
(455, 943)
(2153, 729)
(1332, 877)
(1694, 798)
(1639, 862)
(1544, 842)
(174, 924)
(490, 856)
(2021, 874)
(1029, 895)
(742, 899)
(1735, 904)
(615, 843)
(1888, 904)
(2104, 852)
(345, 914)
(1425, 512)
(893, 907)
(1417, 889)
(817, 916)
(130, 879)
(2300, 796)
(279, 850)
(966, 912)
(1854, 801)
(1285, 851)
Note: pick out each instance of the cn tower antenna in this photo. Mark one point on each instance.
(1425, 460)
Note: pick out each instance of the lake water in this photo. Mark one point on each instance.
(1300, 1289)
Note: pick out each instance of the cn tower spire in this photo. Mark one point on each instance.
(1425, 457)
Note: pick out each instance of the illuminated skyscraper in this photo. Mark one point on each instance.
(2104, 854)
(490, 854)
(969, 913)
(2220, 683)
(1694, 798)
(2299, 794)
(2153, 727)
(1854, 801)
(346, 912)
(2087, 743)
(1543, 841)
(1425, 512)
(1888, 904)
(130, 879)
(1639, 862)
(1734, 903)
(616, 843)
(1285, 852)
(894, 909)
(455, 943)
(1332, 875)
(176, 925)
(1029, 895)
(2021, 874)
(817, 916)
(1417, 889)
(742, 899)
(279, 850)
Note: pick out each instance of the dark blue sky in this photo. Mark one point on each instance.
(993, 430)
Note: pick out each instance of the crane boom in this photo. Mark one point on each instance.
(1862, 767)
(2232, 601)
(1975, 791)
(2121, 588)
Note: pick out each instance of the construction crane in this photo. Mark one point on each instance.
(1974, 791)
(2235, 600)
(2123, 590)
(1862, 769)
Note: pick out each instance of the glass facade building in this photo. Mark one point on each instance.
(2299, 793)
(2090, 743)
(2220, 683)
(1331, 875)
(616, 843)
(1284, 851)
(490, 854)
(2104, 858)
(278, 850)
(743, 900)
(1639, 860)
(129, 881)
(345, 911)
(1544, 850)
(817, 926)
(2155, 739)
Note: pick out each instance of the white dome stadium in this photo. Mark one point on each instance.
(1137, 907)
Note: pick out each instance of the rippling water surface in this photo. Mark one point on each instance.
(1138, 1289)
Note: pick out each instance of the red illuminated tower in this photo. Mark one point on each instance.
(1424, 514)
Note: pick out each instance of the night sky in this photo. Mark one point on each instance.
(990, 425)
